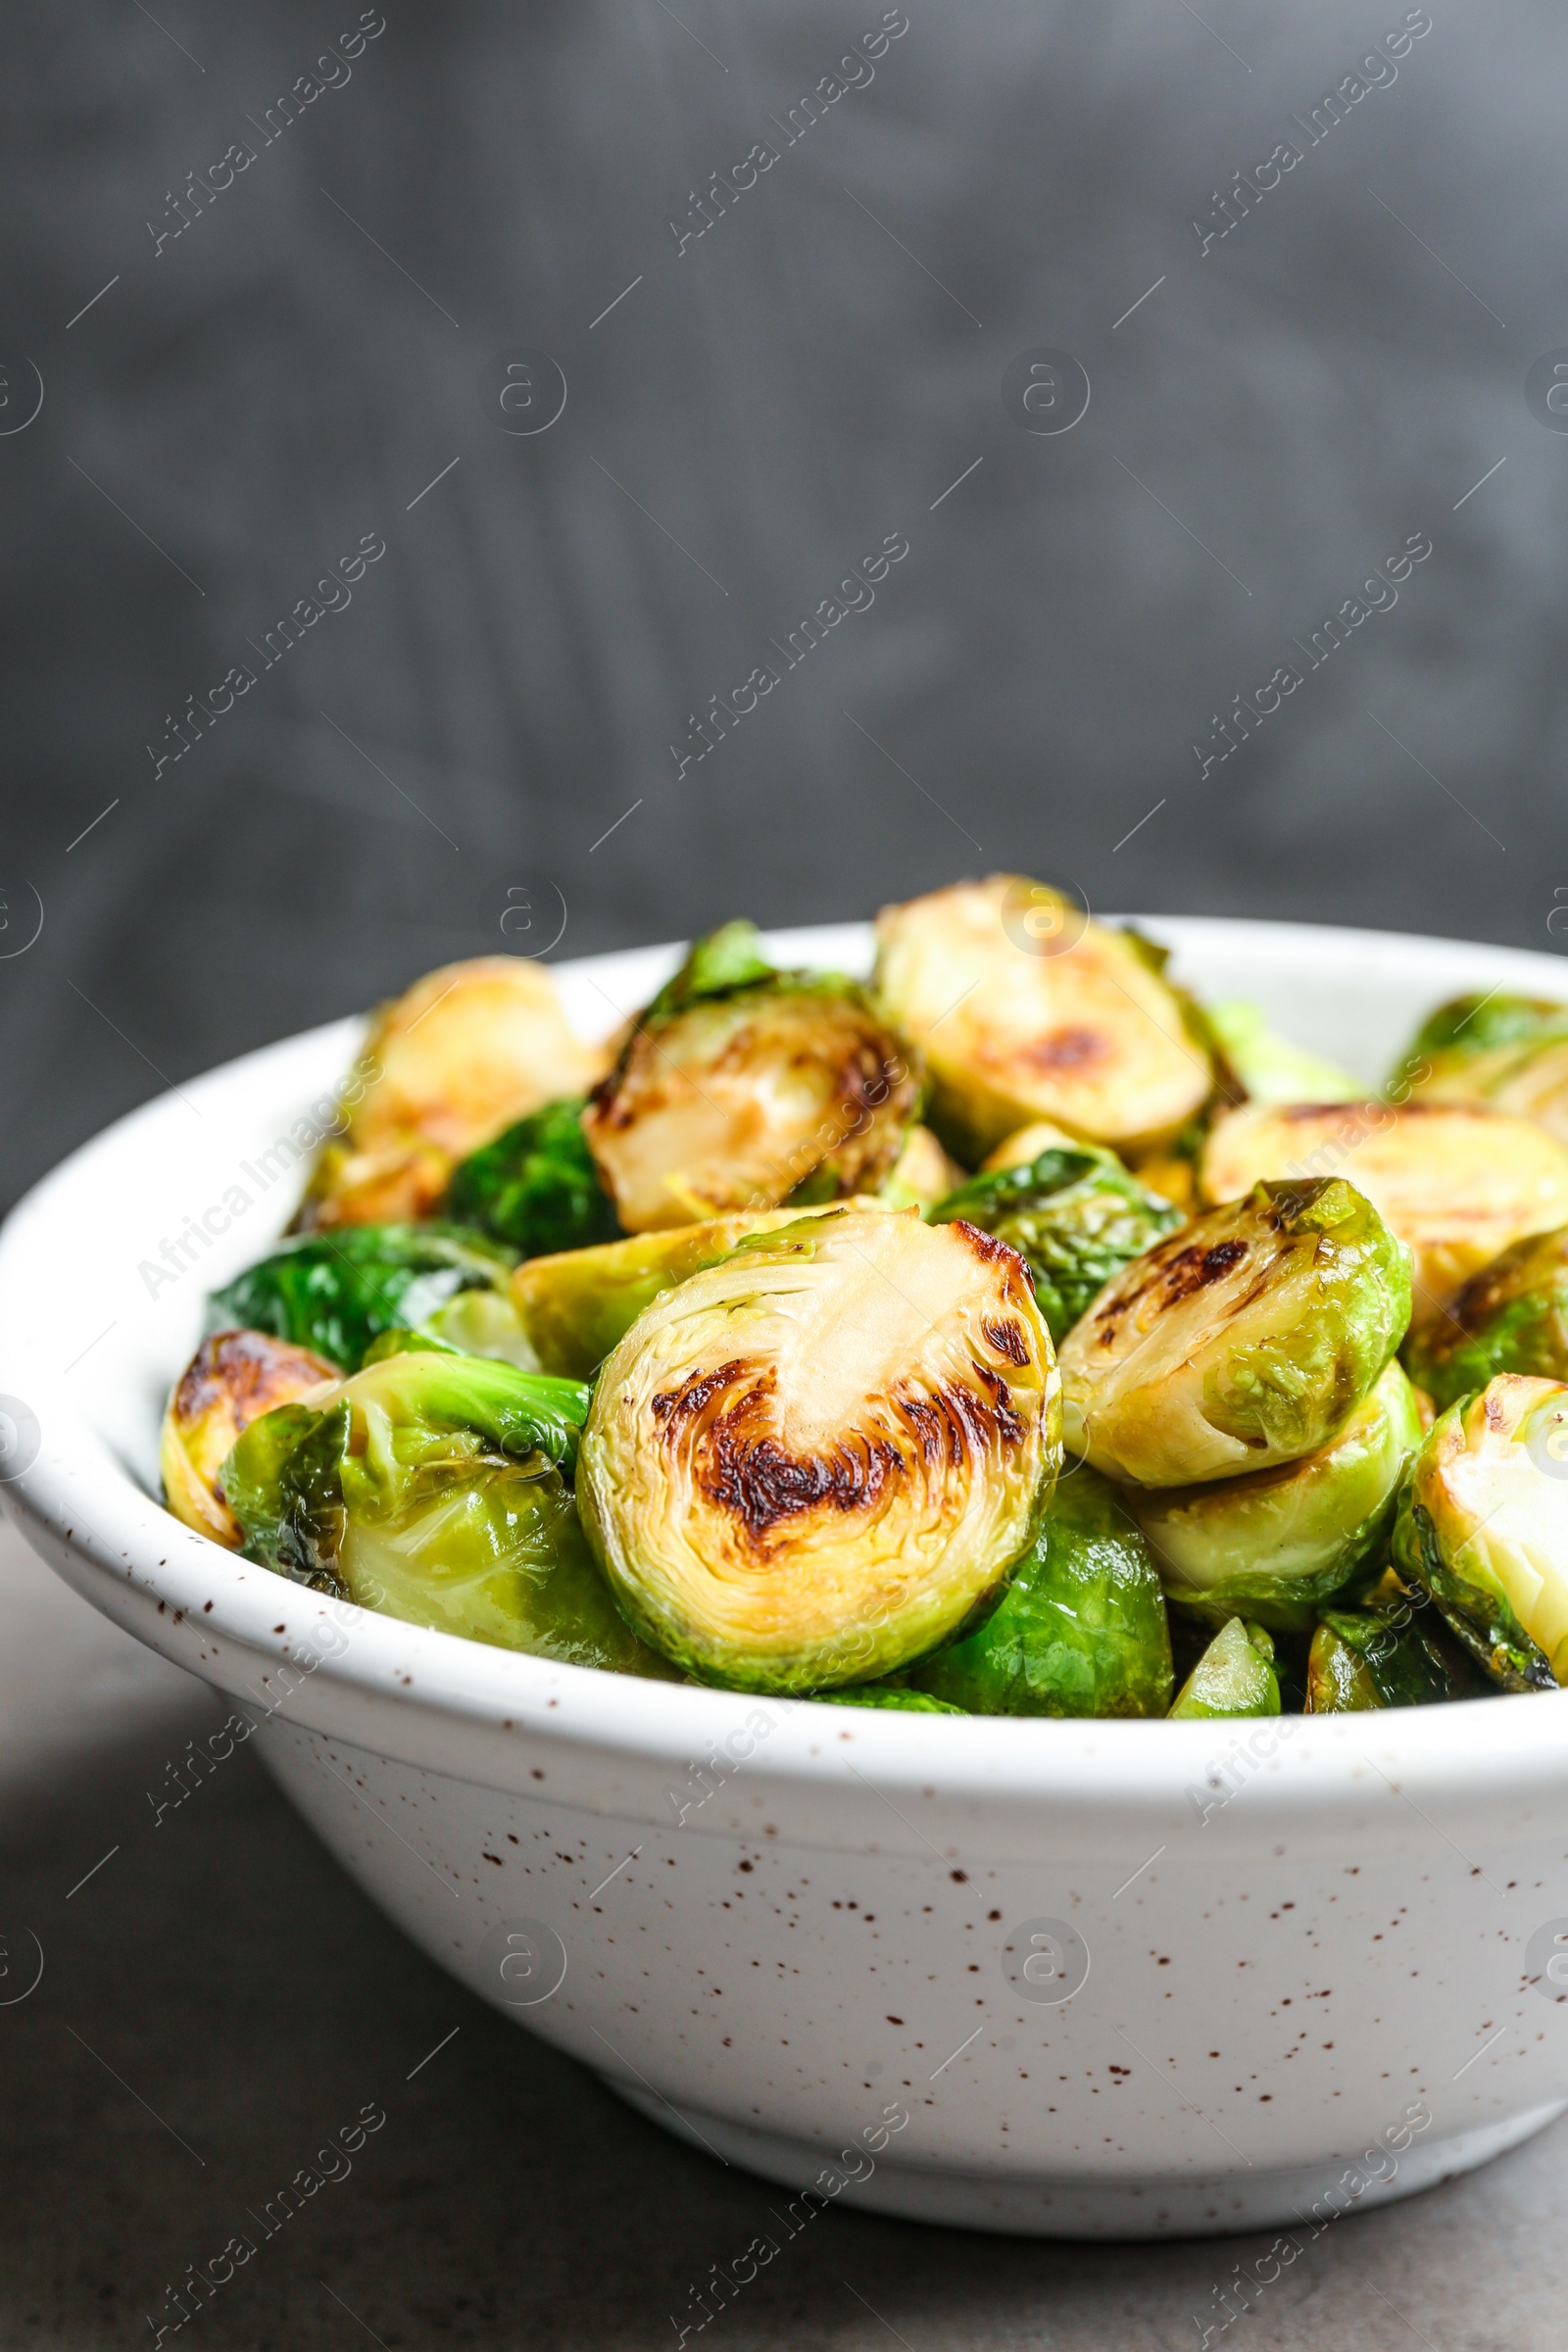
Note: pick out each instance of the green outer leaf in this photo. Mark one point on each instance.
(535, 1185)
(1234, 1676)
(336, 1291)
(1270, 1068)
(716, 965)
(1081, 1629)
(1470, 1025)
(1075, 1217)
(1474, 1604)
(886, 1695)
(1512, 1316)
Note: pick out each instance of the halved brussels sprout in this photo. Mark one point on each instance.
(1024, 1147)
(535, 1187)
(232, 1380)
(1511, 1317)
(575, 1306)
(426, 1487)
(1456, 1182)
(1074, 1217)
(1462, 1045)
(922, 1174)
(1273, 1543)
(1364, 1658)
(1234, 1676)
(1247, 1338)
(335, 1292)
(1482, 1526)
(1028, 1011)
(1081, 1629)
(463, 1053)
(741, 1087)
(813, 1462)
(1270, 1068)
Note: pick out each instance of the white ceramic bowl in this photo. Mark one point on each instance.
(1315, 1948)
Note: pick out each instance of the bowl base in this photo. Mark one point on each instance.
(1173, 2205)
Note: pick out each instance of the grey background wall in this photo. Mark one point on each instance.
(248, 399)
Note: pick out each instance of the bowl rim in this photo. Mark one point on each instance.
(225, 1618)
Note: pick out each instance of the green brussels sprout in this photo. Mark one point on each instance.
(1075, 1217)
(1511, 1317)
(1081, 1629)
(820, 1456)
(536, 1187)
(1274, 1544)
(741, 1088)
(1234, 1676)
(232, 1380)
(1364, 1658)
(888, 1694)
(1027, 1010)
(1456, 1181)
(1269, 1067)
(427, 1486)
(1482, 1526)
(458, 1058)
(1248, 1339)
(334, 1291)
(1464, 1045)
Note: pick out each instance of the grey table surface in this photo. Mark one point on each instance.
(216, 1997)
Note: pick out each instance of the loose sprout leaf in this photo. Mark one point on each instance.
(536, 1187)
(1382, 1659)
(1482, 1526)
(1511, 1317)
(335, 1292)
(1247, 1338)
(1081, 1629)
(819, 1458)
(1075, 1217)
(1234, 1676)
(1273, 1545)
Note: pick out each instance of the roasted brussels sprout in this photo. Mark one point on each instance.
(816, 1459)
(1364, 1658)
(890, 1695)
(1461, 1046)
(427, 1486)
(741, 1087)
(535, 1187)
(1269, 1067)
(1081, 1629)
(1482, 1526)
(573, 1308)
(232, 1380)
(1075, 1217)
(1457, 1183)
(1234, 1676)
(1247, 1338)
(335, 1292)
(463, 1053)
(1273, 1543)
(922, 1174)
(1023, 1147)
(1511, 1317)
(1027, 1010)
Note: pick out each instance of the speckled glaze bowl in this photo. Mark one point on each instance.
(1073, 1978)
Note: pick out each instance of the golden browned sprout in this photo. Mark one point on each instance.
(466, 1053)
(1023, 1147)
(232, 1381)
(1456, 1181)
(1027, 1010)
(922, 1174)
